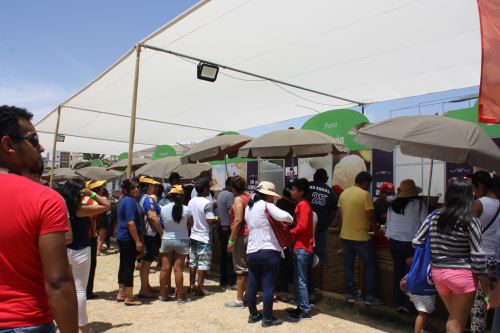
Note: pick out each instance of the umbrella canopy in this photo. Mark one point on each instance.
(291, 143)
(215, 148)
(136, 163)
(434, 137)
(61, 174)
(98, 173)
(163, 167)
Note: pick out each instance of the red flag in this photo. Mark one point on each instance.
(489, 91)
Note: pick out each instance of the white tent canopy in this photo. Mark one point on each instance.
(362, 50)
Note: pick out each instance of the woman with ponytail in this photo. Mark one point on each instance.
(177, 221)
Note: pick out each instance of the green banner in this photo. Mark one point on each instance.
(163, 151)
(470, 114)
(337, 124)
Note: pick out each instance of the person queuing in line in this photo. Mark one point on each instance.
(129, 238)
(153, 231)
(303, 235)
(79, 247)
(404, 218)
(204, 175)
(113, 200)
(285, 271)
(200, 252)
(457, 256)
(263, 251)
(177, 220)
(383, 202)
(225, 200)
(173, 179)
(324, 203)
(356, 217)
(95, 186)
(238, 240)
(487, 210)
(103, 226)
(36, 284)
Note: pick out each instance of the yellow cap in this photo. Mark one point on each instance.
(147, 180)
(92, 184)
(176, 189)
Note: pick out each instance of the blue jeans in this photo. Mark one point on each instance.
(263, 267)
(303, 263)
(46, 328)
(366, 250)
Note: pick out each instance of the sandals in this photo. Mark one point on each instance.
(129, 302)
(120, 297)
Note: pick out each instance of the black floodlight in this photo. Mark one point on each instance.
(207, 72)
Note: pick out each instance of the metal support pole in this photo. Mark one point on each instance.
(430, 183)
(134, 111)
(362, 108)
(54, 146)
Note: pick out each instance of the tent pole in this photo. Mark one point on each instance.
(134, 111)
(430, 182)
(54, 145)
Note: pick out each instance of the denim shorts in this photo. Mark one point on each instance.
(178, 246)
(200, 255)
(46, 328)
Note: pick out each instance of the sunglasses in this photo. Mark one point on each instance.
(33, 140)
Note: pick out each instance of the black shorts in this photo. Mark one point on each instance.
(103, 222)
(152, 246)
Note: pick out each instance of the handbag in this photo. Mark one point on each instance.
(419, 281)
(281, 231)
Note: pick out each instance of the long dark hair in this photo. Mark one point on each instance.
(71, 192)
(177, 209)
(457, 212)
(398, 205)
(492, 184)
(255, 198)
(127, 186)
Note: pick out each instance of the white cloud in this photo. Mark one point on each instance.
(39, 97)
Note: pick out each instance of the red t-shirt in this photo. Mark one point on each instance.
(27, 210)
(243, 230)
(303, 233)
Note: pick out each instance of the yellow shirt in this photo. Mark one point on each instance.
(353, 203)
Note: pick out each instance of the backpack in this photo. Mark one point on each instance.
(419, 281)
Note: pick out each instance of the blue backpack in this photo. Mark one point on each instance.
(419, 281)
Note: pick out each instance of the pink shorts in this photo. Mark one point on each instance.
(453, 280)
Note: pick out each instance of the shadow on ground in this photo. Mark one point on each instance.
(99, 326)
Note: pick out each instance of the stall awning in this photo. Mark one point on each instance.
(362, 50)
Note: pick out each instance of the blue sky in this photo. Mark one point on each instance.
(51, 49)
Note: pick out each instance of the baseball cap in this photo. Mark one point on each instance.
(176, 189)
(92, 184)
(387, 187)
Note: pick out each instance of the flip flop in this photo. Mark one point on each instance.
(120, 299)
(132, 303)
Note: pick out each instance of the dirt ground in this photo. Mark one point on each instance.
(206, 314)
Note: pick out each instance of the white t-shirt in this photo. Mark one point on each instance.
(404, 227)
(261, 235)
(202, 210)
(489, 238)
(194, 194)
(172, 229)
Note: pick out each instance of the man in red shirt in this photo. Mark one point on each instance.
(303, 235)
(36, 284)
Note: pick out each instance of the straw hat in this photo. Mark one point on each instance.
(408, 189)
(176, 189)
(267, 188)
(147, 180)
(92, 184)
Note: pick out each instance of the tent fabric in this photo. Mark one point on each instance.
(367, 51)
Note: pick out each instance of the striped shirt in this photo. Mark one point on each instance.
(455, 249)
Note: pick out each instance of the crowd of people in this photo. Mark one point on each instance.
(267, 241)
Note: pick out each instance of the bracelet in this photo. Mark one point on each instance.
(92, 195)
(230, 242)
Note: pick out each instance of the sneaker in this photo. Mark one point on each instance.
(183, 300)
(301, 315)
(252, 319)
(373, 301)
(234, 304)
(402, 309)
(352, 299)
(293, 310)
(271, 322)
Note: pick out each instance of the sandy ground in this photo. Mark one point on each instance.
(206, 314)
